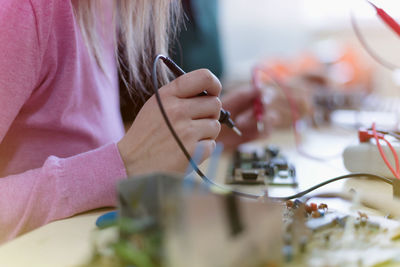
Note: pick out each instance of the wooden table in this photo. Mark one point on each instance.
(68, 242)
(60, 243)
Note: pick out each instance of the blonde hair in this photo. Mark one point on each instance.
(142, 30)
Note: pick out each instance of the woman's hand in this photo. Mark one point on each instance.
(149, 146)
(277, 112)
(278, 106)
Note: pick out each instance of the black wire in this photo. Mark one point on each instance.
(238, 193)
(351, 175)
(347, 197)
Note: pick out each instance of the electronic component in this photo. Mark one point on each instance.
(162, 223)
(265, 167)
(336, 238)
(167, 224)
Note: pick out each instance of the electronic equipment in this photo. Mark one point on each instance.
(267, 166)
(163, 223)
(317, 236)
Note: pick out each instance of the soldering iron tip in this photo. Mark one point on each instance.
(237, 131)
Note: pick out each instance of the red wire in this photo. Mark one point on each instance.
(396, 158)
(386, 18)
(397, 172)
(390, 22)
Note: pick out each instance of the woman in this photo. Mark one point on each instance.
(62, 143)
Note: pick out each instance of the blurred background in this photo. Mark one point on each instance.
(311, 46)
(264, 30)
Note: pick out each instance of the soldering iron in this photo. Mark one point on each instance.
(224, 116)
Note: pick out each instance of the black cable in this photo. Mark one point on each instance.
(238, 193)
(351, 175)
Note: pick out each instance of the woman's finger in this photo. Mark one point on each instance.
(205, 129)
(207, 147)
(194, 83)
(202, 107)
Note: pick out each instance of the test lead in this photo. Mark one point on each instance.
(236, 130)
(224, 117)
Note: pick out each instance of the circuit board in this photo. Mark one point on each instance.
(185, 227)
(317, 236)
(261, 166)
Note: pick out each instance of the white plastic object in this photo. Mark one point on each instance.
(365, 157)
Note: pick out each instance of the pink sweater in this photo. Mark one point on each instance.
(59, 118)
